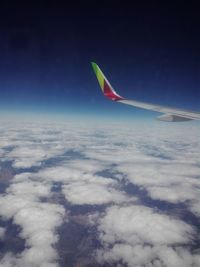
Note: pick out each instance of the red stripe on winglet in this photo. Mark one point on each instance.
(108, 92)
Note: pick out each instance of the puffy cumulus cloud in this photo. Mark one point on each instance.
(39, 224)
(21, 195)
(87, 165)
(38, 221)
(136, 224)
(26, 157)
(30, 155)
(138, 236)
(93, 194)
(81, 186)
(148, 256)
(66, 174)
(28, 189)
(174, 193)
(11, 260)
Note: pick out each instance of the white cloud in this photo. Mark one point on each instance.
(138, 236)
(195, 207)
(38, 221)
(86, 165)
(148, 256)
(25, 157)
(93, 194)
(136, 224)
(11, 260)
(39, 224)
(80, 185)
(31, 144)
(174, 193)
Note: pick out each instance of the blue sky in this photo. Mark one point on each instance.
(149, 53)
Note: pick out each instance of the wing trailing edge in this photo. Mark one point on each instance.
(170, 114)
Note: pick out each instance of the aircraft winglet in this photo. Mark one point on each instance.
(106, 88)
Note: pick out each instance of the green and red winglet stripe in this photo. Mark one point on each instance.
(107, 89)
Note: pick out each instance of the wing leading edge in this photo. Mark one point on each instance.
(170, 114)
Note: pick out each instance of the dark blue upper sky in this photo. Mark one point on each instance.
(148, 51)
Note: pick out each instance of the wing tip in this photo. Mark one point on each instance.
(94, 66)
(107, 89)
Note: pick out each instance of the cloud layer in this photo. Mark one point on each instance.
(132, 173)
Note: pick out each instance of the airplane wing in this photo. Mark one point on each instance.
(169, 114)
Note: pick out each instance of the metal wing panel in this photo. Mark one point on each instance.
(178, 112)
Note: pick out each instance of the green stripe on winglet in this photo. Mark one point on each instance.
(94, 66)
(99, 75)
